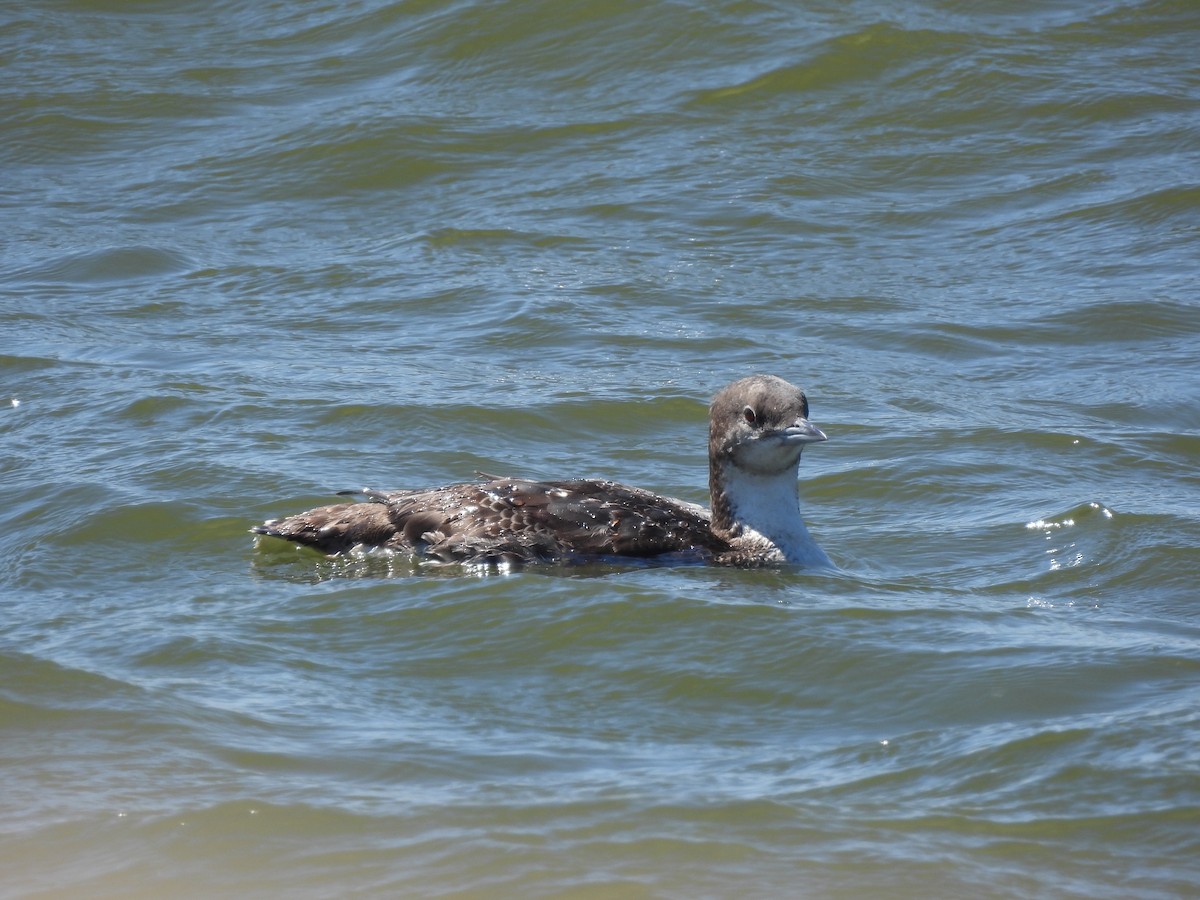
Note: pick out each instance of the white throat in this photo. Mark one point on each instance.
(766, 507)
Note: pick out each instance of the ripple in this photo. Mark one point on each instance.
(116, 265)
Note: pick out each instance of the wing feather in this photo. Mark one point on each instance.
(510, 518)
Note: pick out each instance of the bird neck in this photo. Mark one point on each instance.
(761, 513)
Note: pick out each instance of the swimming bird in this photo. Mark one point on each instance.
(758, 427)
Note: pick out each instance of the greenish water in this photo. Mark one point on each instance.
(255, 255)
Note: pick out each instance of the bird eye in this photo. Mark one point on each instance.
(749, 416)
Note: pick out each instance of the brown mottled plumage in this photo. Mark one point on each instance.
(757, 429)
(506, 518)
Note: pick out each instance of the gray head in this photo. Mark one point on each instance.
(760, 424)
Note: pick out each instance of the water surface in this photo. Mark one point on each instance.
(256, 255)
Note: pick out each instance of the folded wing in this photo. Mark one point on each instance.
(510, 518)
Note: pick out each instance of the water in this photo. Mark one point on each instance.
(257, 254)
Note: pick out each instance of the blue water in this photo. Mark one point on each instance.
(255, 255)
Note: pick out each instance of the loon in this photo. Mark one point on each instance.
(758, 427)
